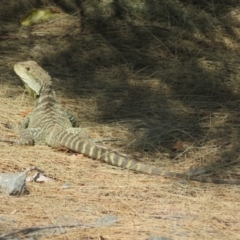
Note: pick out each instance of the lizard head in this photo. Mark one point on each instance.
(33, 76)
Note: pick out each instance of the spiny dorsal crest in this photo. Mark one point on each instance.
(33, 75)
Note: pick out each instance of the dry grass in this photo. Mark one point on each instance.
(151, 76)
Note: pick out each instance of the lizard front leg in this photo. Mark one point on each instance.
(26, 137)
(26, 134)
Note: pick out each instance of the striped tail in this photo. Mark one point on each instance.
(87, 148)
(76, 144)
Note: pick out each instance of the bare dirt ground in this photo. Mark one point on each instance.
(163, 79)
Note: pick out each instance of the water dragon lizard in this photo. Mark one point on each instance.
(50, 124)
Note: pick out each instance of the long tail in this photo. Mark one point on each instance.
(74, 143)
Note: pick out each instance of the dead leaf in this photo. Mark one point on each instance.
(25, 113)
(39, 177)
(178, 147)
(63, 149)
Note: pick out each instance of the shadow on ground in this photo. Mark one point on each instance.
(168, 70)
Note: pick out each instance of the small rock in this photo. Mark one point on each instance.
(106, 221)
(13, 184)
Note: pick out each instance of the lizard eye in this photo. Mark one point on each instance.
(28, 68)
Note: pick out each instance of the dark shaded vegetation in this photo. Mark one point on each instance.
(172, 65)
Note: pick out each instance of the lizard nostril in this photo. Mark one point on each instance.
(27, 68)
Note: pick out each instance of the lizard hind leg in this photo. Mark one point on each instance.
(81, 132)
